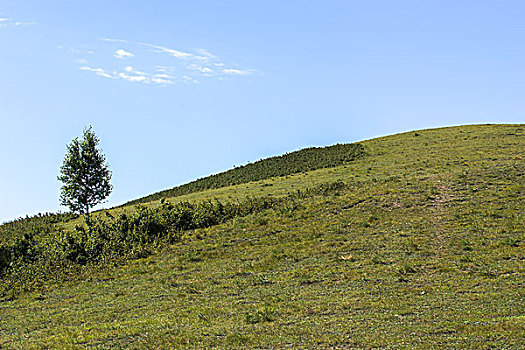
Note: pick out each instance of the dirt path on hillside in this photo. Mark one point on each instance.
(440, 212)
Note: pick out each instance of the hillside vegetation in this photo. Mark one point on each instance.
(418, 244)
(301, 161)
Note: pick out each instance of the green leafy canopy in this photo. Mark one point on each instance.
(85, 174)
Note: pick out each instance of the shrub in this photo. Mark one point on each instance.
(24, 249)
(262, 315)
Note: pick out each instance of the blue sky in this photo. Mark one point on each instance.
(178, 90)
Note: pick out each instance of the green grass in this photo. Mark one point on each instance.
(423, 249)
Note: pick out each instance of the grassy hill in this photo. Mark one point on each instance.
(418, 244)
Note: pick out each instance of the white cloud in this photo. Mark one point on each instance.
(130, 74)
(164, 69)
(23, 24)
(163, 76)
(132, 78)
(98, 71)
(4, 22)
(159, 65)
(130, 69)
(205, 53)
(123, 54)
(188, 79)
(200, 68)
(158, 80)
(114, 40)
(232, 71)
(171, 52)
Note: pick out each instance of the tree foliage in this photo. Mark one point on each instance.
(85, 174)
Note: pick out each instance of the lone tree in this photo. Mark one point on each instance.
(85, 175)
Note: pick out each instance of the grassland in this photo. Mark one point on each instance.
(423, 248)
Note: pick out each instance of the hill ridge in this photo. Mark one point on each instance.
(303, 160)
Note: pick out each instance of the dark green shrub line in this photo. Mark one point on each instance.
(131, 235)
(304, 160)
(125, 235)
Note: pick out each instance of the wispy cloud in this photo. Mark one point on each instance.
(205, 53)
(98, 71)
(171, 52)
(123, 54)
(157, 64)
(201, 69)
(161, 79)
(132, 78)
(188, 79)
(233, 71)
(132, 75)
(9, 22)
(130, 69)
(111, 40)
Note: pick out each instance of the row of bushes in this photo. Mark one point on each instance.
(125, 234)
(37, 254)
(117, 237)
(128, 234)
(304, 160)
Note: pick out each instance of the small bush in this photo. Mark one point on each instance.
(23, 249)
(262, 315)
(260, 221)
(406, 269)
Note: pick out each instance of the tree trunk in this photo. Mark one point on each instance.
(87, 219)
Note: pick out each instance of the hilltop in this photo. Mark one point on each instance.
(416, 241)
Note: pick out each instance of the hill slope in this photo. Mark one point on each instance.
(301, 161)
(420, 245)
